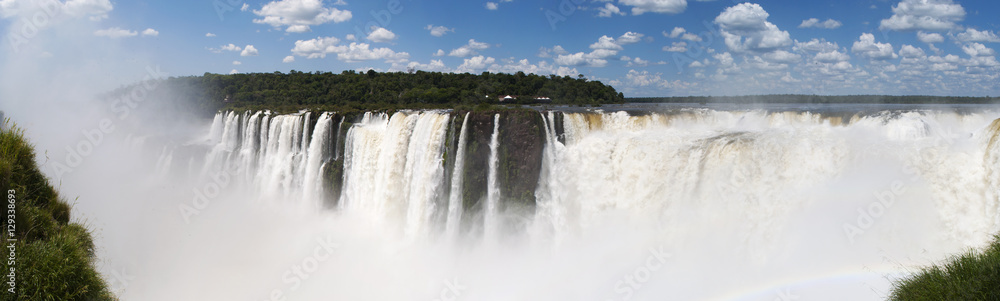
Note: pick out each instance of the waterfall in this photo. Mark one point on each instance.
(393, 167)
(318, 153)
(490, 222)
(455, 205)
(336, 139)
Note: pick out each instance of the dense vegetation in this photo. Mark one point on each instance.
(54, 257)
(793, 98)
(972, 276)
(375, 90)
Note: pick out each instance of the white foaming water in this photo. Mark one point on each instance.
(393, 168)
(690, 205)
(490, 223)
(455, 201)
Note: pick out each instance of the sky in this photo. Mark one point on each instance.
(641, 47)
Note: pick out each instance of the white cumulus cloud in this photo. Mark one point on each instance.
(609, 10)
(744, 27)
(655, 6)
(934, 15)
(298, 15)
(813, 22)
(972, 35)
(249, 50)
(469, 49)
(438, 31)
(381, 35)
(115, 32)
(866, 46)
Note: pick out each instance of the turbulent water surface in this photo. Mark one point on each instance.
(671, 202)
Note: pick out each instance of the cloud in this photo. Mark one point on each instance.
(595, 58)
(676, 47)
(908, 51)
(469, 49)
(237, 63)
(434, 65)
(972, 35)
(866, 46)
(546, 52)
(676, 32)
(542, 68)
(815, 45)
(234, 71)
(149, 32)
(474, 64)
(93, 9)
(933, 15)
(381, 35)
(680, 32)
(629, 38)
(350, 37)
(832, 56)
(355, 52)
(298, 15)
(930, 37)
(655, 6)
(438, 53)
(813, 22)
(492, 6)
(249, 50)
(115, 32)
(315, 48)
(209, 35)
(744, 27)
(438, 31)
(976, 49)
(609, 10)
(230, 47)
(636, 62)
(781, 57)
(606, 42)
(288, 59)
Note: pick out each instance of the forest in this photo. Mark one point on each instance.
(375, 90)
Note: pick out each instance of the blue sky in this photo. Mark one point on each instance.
(641, 47)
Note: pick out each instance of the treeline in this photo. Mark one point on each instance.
(396, 89)
(794, 98)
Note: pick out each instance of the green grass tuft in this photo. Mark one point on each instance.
(55, 258)
(974, 275)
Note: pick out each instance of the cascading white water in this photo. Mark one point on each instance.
(490, 221)
(336, 140)
(393, 167)
(455, 206)
(747, 203)
(318, 153)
